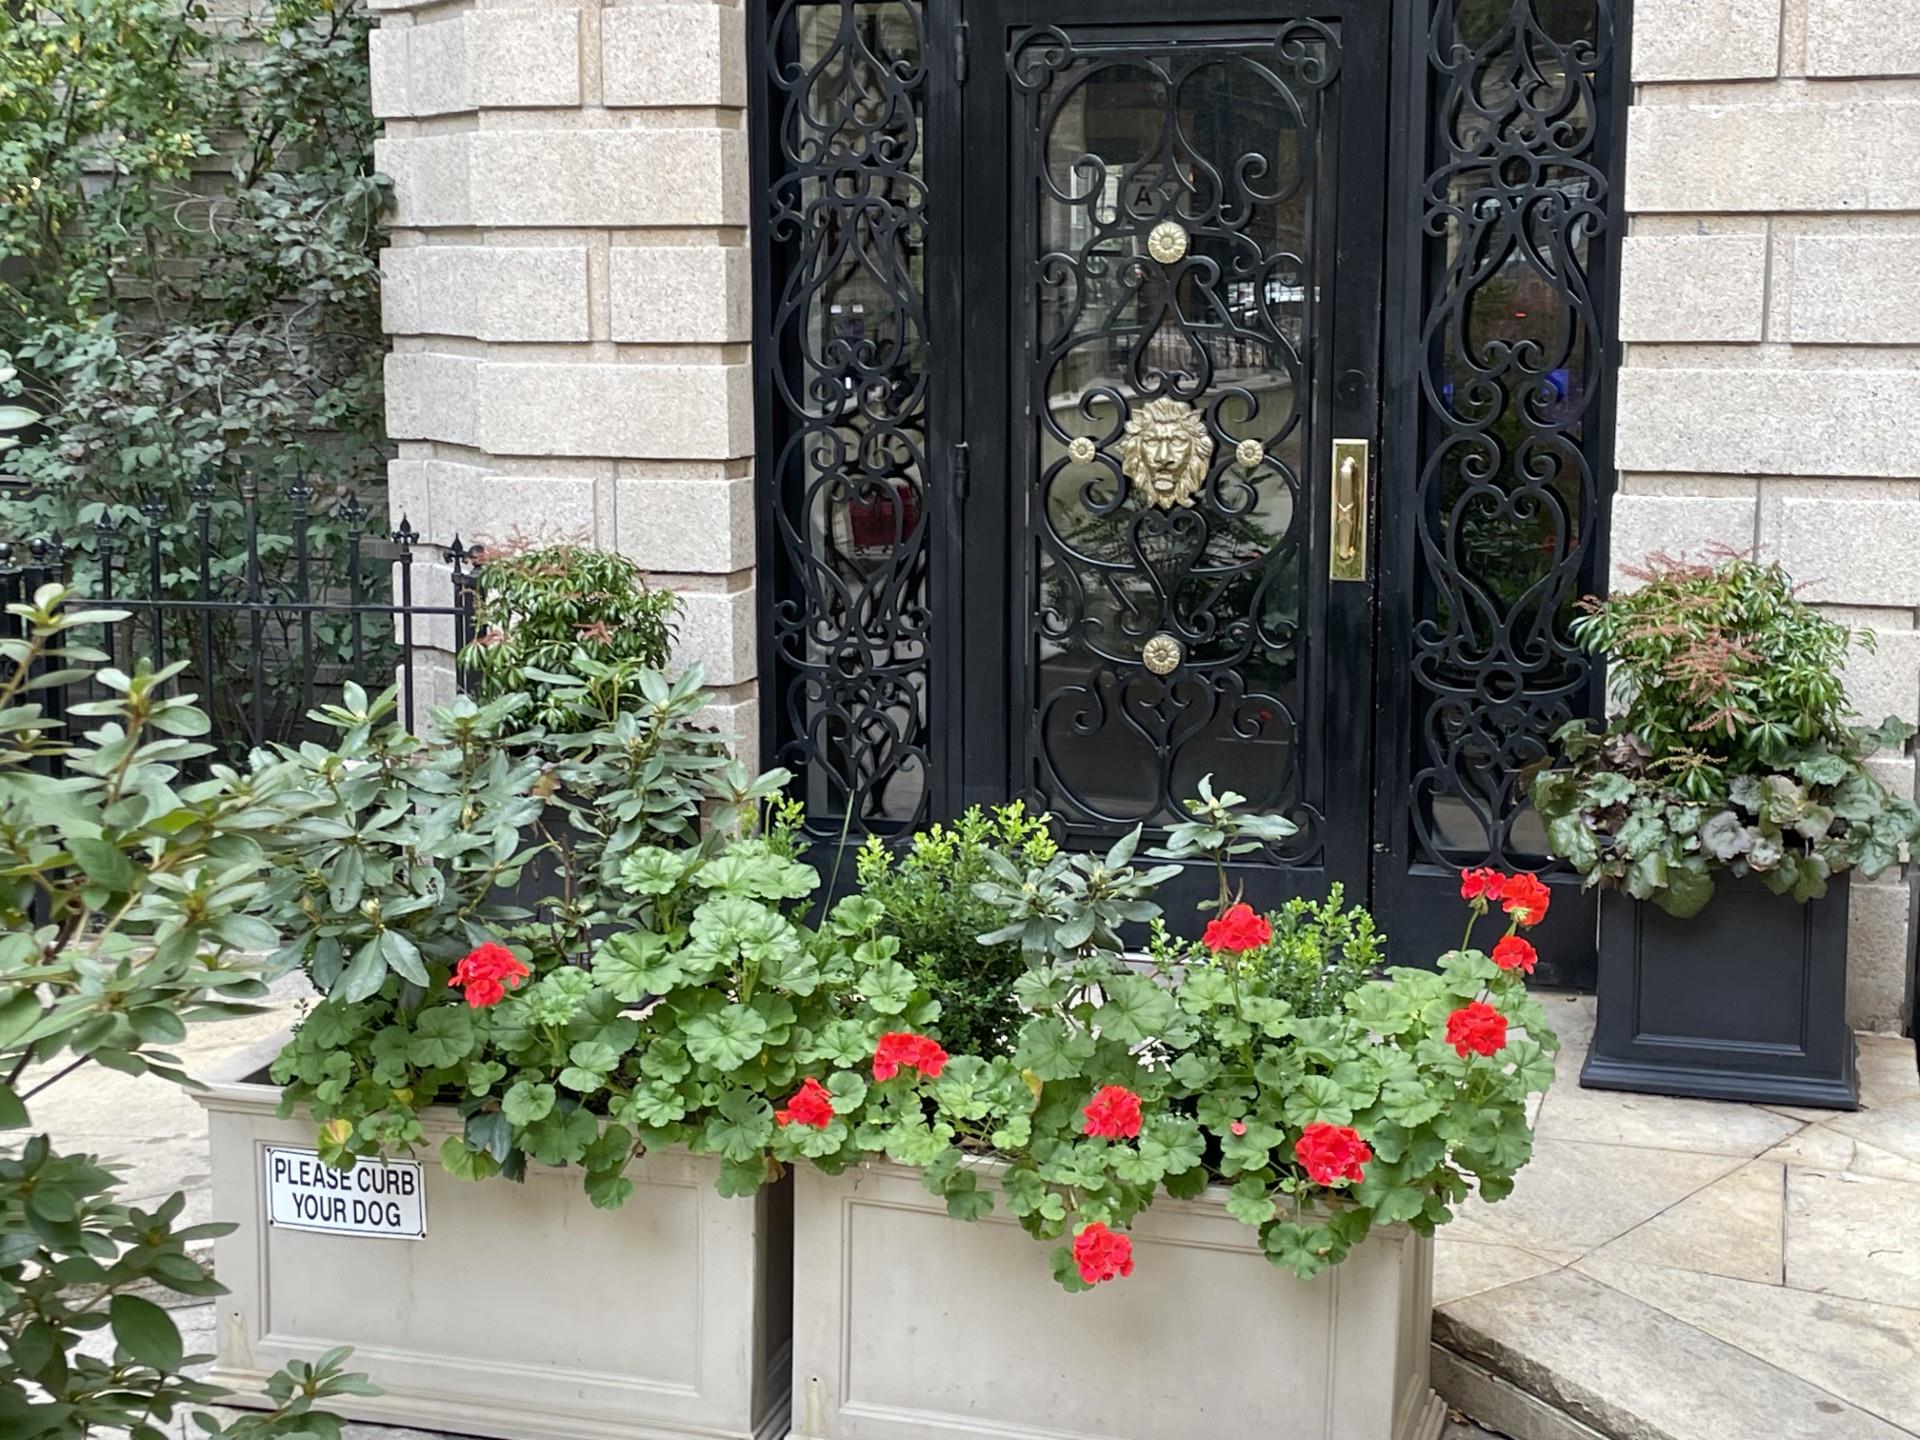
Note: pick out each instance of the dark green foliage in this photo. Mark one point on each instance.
(152, 882)
(549, 621)
(209, 315)
(932, 908)
(1321, 952)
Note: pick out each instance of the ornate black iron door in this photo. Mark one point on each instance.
(1173, 308)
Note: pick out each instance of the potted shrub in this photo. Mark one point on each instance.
(1251, 1100)
(1720, 812)
(459, 1033)
(1271, 1103)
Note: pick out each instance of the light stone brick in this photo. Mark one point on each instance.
(494, 509)
(1887, 680)
(719, 629)
(1646, 525)
(665, 294)
(1861, 154)
(506, 59)
(387, 72)
(1706, 39)
(1852, 552)
(1769, 422)
(1855, 289)
(501, 293)
(431, 396)
(692, 527)
(1862, 37)
(523, 58)
(1879, 941)
(671, 53)
(437, 82)
(1693, 287)
(641, 412)
(410, 494)
(738, 723)
(430, 179)
(614, 178)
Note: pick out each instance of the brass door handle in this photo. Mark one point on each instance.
(1348, 560)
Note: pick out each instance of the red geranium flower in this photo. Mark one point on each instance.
(1513, 953)
(486, 974)
(1477, 1029)
(916, 1052)
(1240, 929)
(1101, 1254)
(1113, 1113)
(1481, 883)
(1525, 898)
(812, 1104)
(1332, 1153)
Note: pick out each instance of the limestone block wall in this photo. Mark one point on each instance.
(1771, 319)
(568, 291)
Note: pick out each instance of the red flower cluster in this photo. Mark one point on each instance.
(1480, 882)
(1513, 953)
(812, 1104)
(486, 974)
(1239, 930)
(1476, 1029)
(1523, 896)
(1113, 1113)
(1332, 1153)
(916, 1052)
(1101, 1254)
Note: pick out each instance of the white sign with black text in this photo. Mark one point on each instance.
(386, 1198)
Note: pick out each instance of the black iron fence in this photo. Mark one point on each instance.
(273, 608)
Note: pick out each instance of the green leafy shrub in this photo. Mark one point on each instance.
(125, 894)
(189, 230)
(1733, 746)
(549, 621)
(720, 1020)
(1320, 952)
(927, 894)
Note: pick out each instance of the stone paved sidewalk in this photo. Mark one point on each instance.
(1694, 1270)
(1665, 1269)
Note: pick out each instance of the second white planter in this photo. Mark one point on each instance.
(524, 1312)
(910, 1325)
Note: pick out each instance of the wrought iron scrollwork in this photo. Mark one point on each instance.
(1173, 276)
(1509, 494)
(846, 224)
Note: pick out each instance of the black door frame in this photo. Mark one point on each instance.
(995, 635)
(1413, 888)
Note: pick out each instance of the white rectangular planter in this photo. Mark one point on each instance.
(524, 1313)
(909, 1325)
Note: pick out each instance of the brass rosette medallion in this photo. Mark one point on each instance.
(1162, 654)
(1167, 242)
(1081, 450)
(1250, 453)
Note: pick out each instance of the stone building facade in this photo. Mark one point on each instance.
(570, 293)
(1770, 310)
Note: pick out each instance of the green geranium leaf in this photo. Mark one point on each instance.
(727, 1038)
(527, 1103)
(442, 1037)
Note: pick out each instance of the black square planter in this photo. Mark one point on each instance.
(1745, 1001)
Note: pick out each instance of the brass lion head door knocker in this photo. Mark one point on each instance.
(1166, 452)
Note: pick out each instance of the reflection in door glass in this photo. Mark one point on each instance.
(1507, 495)
(847, 231)
(1174, 415)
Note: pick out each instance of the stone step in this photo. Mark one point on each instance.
(1563, 1356)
